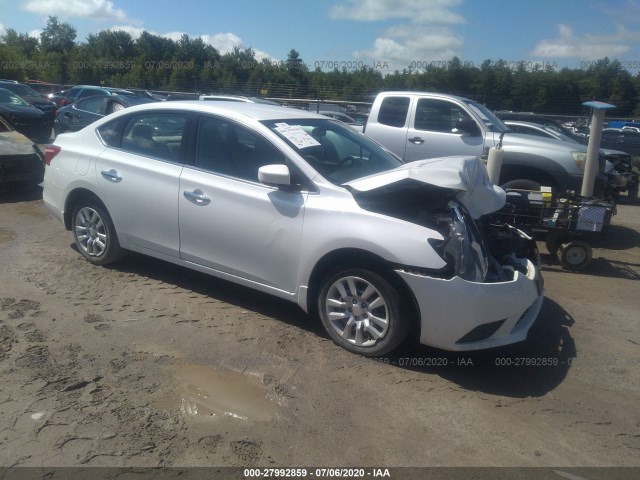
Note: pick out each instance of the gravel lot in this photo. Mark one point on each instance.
(148, 364)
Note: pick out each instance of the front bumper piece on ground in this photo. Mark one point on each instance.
(459, 315)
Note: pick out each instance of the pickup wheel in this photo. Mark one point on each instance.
(361, 312)
(522, 184)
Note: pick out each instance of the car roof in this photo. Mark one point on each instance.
(428, 94)
(257, 111)
(525, 124)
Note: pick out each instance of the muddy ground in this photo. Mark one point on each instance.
(147, 364)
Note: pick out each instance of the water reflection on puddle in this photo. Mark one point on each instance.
(208, 391)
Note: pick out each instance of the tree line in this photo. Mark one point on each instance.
(153, 62)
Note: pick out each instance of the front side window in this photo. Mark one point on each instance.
(157, 135)
(439, 115)
(91, 104)
(336, 151)
(230, 149)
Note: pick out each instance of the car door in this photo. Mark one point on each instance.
(434, 131)
(229, 221)
(139, 178)
(84, 112)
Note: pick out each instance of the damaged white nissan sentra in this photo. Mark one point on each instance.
(305, 208)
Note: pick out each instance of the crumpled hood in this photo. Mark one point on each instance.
(14, 143)
(467, 175)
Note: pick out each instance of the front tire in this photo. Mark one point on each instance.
(361, 312)
(95, 234)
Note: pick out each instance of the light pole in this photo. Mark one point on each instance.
(593, 150)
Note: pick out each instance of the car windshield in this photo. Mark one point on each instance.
(21, 89)
(493, 123)
(10, 98)
(337, 152)
(560, 135)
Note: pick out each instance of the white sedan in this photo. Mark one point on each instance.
(305, 208)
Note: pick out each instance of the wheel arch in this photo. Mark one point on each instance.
(347, 258)
(521, 172)
(73, 198)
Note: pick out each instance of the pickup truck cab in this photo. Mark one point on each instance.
(420, 125)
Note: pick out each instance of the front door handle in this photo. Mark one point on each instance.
(111, 175)
(197, 197)
(416, 140)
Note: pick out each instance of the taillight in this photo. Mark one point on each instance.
(50, 151)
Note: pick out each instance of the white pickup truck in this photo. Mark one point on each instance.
(421, 125)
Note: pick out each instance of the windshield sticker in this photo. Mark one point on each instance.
(297, 135)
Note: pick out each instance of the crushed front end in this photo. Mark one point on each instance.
(490, 291)
(490, 295)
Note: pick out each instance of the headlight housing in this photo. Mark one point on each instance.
(580, 158)
(464, 247)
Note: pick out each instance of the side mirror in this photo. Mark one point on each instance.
(274, 175)
(468, 126)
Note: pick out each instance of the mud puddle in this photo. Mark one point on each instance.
(206, 391)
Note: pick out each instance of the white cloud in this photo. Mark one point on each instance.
(223, 42)
(587, 46)
(35, 33)
(418, 11)
(424, 36)
(135, 32)
(2, 29)
(100, 10)
(402, 46)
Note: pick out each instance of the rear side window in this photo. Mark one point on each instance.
(110, 133)
(393, 111)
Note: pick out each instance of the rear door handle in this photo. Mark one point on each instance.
(197, 197)
(111, 175)
(416, 140)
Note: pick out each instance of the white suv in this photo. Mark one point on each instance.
(305, 208)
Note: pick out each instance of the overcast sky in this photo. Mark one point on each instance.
(380, 33)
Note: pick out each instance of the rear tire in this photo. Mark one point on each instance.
(94, 233)
(361, 312)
